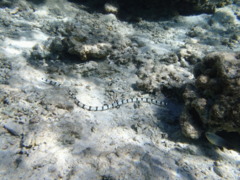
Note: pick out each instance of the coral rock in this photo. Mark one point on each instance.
(213, 103)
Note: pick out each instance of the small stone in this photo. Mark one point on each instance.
(51, 169)
(12, 129)
(202, 81)
(6, 101)
(218, 171)
(110, 8)
(4, 147)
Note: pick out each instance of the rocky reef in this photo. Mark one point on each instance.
(102, 57)
(154, 8)
(213, 102)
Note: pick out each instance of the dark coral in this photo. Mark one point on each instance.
(150, 9)
(213, 103)
(134, 10)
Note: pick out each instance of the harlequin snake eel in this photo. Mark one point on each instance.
(104, 107)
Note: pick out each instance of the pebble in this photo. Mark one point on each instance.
(6, 101)
(52, 169)
(218, 171)
(12, 130)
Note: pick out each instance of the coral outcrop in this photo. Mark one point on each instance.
(87, 51)
(213, 103)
